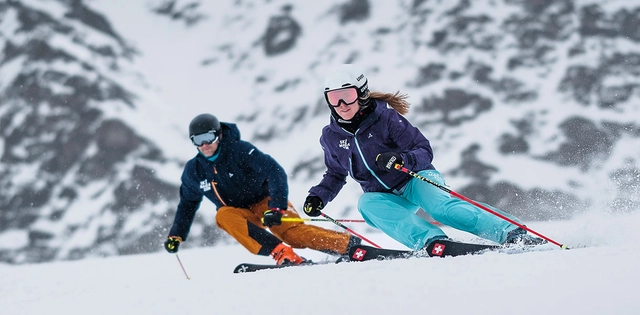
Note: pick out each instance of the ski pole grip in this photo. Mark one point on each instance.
(294, 220)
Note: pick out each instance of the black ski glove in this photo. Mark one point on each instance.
(312, 206)
(172, 243)
(387, 161)
(272, 217)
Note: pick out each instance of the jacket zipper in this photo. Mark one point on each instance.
(213, 184)
(355, 138)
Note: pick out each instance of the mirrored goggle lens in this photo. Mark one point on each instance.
(208, 138)
(347, 95)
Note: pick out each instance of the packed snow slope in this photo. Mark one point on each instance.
(601, 278)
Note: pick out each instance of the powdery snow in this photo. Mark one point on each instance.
(599, 279)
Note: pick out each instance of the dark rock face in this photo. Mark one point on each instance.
(584, 143)
(282, 33)
(58, 142)
(454, 101)
(189, 13)
(354, 11)
(589, 85)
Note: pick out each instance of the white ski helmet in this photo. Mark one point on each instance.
(348, 75)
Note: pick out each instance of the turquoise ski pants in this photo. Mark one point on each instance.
(396, 214)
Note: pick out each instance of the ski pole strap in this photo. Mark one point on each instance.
(455, 194)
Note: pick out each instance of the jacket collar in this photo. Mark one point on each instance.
(230, 134)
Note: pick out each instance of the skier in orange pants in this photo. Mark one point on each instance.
(250, 190)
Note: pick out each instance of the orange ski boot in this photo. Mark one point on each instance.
(284, 255)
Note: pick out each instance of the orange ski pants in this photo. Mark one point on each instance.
(297, 234)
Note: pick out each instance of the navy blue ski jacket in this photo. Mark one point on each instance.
(240, 176)
(354, 154)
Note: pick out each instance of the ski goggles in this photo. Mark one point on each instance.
(347, 95)
(204, 138)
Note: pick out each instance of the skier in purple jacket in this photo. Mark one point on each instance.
(366, 137)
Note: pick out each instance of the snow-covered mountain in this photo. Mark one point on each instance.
(531, 106)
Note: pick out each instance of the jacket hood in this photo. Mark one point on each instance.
(230, 132)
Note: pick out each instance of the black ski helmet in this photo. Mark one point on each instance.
(203, 123)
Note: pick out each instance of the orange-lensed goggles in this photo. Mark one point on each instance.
(347, 95)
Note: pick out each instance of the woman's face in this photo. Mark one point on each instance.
(347, 112)
(344, 101)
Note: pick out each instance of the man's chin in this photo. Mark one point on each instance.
(206, 154)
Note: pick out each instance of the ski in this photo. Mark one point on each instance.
(249, 267)
(438, 248)
(443, 248)
(364, 253)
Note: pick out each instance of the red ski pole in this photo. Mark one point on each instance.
(455, 194)
(349, 230)
(320, 220)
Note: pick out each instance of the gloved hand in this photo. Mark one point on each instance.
(387, 161)
(312, 206)
(272, 217)
(172, 243)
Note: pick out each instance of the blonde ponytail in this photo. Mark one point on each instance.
(396, 100)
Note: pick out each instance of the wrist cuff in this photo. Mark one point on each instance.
(277, 209)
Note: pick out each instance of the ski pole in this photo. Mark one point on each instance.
(181, 266)
(349, 230)
(318, 219)
(339, 220)
(455, 194)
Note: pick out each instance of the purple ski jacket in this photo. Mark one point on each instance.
(354, 154)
